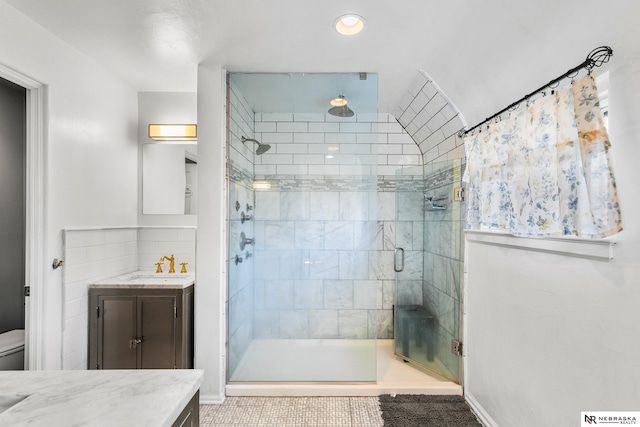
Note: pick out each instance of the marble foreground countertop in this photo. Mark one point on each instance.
(96, 398)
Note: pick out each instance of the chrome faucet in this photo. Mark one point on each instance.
(171, 260)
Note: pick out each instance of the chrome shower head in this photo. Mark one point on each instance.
(262, 148)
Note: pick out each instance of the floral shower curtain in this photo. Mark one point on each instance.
(545, 171)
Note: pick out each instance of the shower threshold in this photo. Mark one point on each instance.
(392, 375)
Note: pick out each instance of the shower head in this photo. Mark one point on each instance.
(262, 148)
(340, 108)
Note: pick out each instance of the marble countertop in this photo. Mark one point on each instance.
(148, 280)
(96, 398)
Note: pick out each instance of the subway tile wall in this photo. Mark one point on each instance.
(329, 146)
(91, 255)
(432, 121)
(239, 299)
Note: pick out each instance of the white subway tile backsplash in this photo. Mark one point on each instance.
(276, 117)
(371, 138)
(291, 148)
(292, 170)
(357, 170)
(340, 138)
(308, 117)
(405, 159)
(372, 117)
(411, 149)
(390, 149)
(437, 121)
(276, 138)
(308, 159)
(355, 148)
(262, 170)
(452, 126)
(265, 127)
(358, 127)
(321, 170)
(324, 127)
(388, 170)
(341, 159)
(277, 159)
(330, 118)
(309, 138)
(292, 127)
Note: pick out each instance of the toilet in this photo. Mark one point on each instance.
(12, 350)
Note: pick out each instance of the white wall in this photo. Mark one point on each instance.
(210, 293)
(549, 336)
(91, 148)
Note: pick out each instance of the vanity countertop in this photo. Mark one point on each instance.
(148, 280)
(96, 398)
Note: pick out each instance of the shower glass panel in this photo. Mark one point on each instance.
(427, 308)
(303, 295)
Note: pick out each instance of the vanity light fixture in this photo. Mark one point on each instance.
(261, 185)
(173, 132)
(349, 24)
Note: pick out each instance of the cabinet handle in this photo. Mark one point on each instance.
(134, 342)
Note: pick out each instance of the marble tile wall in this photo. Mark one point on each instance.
(239, 302)
(441, 287)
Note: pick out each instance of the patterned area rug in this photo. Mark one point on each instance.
(407, 410)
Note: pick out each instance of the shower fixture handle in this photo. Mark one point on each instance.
(238, 259)
(245, 241)
(244, 217)
(397, 268)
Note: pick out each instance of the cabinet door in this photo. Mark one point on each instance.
(116, 330)
(157, 330)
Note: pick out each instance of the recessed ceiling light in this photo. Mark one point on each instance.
(349, 25)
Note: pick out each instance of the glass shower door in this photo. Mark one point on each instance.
(428, 264)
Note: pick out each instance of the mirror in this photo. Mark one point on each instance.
(169, 184)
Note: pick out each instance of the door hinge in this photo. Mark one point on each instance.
(456, 347)
(27, 291)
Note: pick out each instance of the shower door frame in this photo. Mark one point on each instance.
(427, 317)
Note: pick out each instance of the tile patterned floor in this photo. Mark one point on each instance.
(293, 412)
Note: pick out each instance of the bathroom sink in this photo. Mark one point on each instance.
(9, 400)
(142, 278)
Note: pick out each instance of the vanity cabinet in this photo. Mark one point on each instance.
(143, 328)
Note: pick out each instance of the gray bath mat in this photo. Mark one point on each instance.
(409, 410)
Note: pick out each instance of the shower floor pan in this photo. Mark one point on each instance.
(330, 368)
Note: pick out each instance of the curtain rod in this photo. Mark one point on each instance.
(595, 58)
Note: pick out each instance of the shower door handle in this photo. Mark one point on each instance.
(395, 260)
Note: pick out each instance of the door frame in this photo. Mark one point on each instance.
(35, 241)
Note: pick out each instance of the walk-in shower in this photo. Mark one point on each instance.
(311, 298)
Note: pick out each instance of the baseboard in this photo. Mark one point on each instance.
(482, 415)
(212, 399)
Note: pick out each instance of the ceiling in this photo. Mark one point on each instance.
(482, 55)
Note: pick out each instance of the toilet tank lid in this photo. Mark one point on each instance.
(11, 339)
